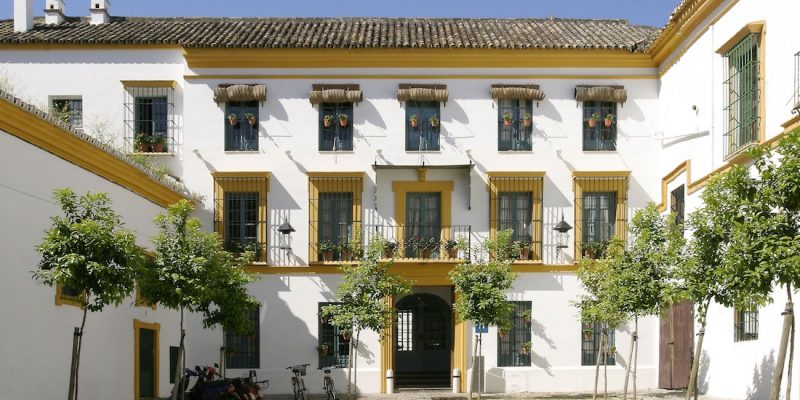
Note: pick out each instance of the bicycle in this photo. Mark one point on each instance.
(327, 382)
(298, 386)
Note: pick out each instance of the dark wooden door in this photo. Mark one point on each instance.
(423, 333)
(676, 346)
(147, 363)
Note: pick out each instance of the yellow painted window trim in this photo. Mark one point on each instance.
(315, 186)
(137, 325)
(62, 300)
(533, 183)
(444, 188)
(221, 187)
(752, 27)
(152, 84)
(583, 181)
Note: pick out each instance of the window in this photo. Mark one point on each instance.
(678, 204)
(149, 118)
(240, 211)
(423, 224)
(335, 133)
(591, 335)
(422, 135)
(601, 201)
(599, 137)
(516, 203)
(741, 91)
(241, 131)
(332, 347)
(334, 216)
(70, 110)
(745, 324)
(243, 350)
(173, 362)
(68, 296)
(513, 345)
(514, 130)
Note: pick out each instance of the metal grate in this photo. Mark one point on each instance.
(741, 95)
(513, 134)
(240, 215)
(510, 352)
(678, 204)
(425, 136)
(335, 218)
(149, 119)
(241, 133)
(335, 136)
(427, 242)
(600, 137)
(517, 205)
(332, 348)
(71, 109)
(601, 205)
(243, 350)
(590, 343)
(745, 324)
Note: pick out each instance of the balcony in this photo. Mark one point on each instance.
(410, 243)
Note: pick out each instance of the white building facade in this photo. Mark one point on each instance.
(236, 109)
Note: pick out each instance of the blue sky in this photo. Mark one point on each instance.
(640, 12)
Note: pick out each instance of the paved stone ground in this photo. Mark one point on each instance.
(446, 395)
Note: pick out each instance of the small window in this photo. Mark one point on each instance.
(70, 110)
(514, 125)
(240, 211)
(599, 216)
(149, 119)
(741, 95)
(241, 126)
(745, 324)
(173, 362)
(335, 126)
(243, 350)
(599, 132)
(332, 347)
(514, 345)
(590, 343)
(678, 204)
(422, 125)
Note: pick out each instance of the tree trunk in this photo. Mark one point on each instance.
(692, 389)
(350, 370)
(604, 346)
(75, 338)
(355, 364)
(597, 367)
(480, 355)
(791, 349)
(474, 367)
(180, 365)
(636, 356)
(80, 344)
(788, 315)
(628, 368)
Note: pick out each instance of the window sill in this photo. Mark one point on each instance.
(515, 151)
(242, 152)
(424, 151)
(337, 152)
(740, 151)
(601, 151)
(151, 153)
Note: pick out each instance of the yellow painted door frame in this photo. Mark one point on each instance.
(137, 327)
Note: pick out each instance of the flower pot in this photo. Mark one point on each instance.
(388, 253)
(425, 253)
(507, 122)
(323, 350)
(158, 147)
(592, 122)
(143, 147)
(608, 122)
(525, 350)
(526, 122)
(434, 124)
(324, 320)
(524, 254)
(252, 121)
(342, 122)
(327, 255)
(414, 123)
(502, 334)
(326, 123)
(345, 335)
(452, 253)
(347, 255)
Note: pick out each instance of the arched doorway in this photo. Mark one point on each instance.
(422, 341)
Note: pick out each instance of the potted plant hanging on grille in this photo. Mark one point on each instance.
(592, 121)
(434, 120)
(524, 247)
(327, 120)
(389, 248)
(141, 143)
(527, 118)
(251, 119)
(158, 144)
(452, 248)
(233, 119)
(414, 120)
(526, 348)
(609, 120)
(327, 248)
(343, 119)
(507, 118)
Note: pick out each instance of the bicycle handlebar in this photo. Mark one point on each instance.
(297, 365)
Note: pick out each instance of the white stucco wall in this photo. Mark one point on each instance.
(37, 334)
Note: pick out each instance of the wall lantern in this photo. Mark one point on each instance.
(562, 237)
(285, 240)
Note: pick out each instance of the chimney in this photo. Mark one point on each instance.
(23, 15)
(99, 10)
(54, 12)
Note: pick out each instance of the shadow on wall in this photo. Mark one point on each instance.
(762, 378)
(541, 362)
(702, 374)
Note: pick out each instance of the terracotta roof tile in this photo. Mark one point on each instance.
(342, 33)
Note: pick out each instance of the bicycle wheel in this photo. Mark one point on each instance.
(302, 389)
(330, 389)
(295, 389)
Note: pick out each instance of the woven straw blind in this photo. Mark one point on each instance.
(517, 92)
(422, 92)
(350, 93)
(226, 93)
(614, 94)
